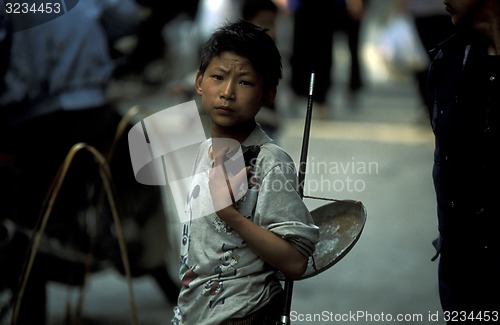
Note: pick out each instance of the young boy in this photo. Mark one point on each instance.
(230, 259)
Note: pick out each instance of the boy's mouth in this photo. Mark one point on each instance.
(225, 109)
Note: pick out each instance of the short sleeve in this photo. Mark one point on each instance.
(279, 208)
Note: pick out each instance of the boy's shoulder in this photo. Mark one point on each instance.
(272, 156)
(273, 150)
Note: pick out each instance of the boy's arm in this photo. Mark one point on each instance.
(271, 248)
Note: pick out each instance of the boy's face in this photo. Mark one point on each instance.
(232, 91)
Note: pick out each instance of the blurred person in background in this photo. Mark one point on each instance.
(433, 26)
(464, 102)
(5, 44)
(55, 96)
(315, 22)
(264, 13)
(151, 44)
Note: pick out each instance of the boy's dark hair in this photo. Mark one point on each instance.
(249, 41)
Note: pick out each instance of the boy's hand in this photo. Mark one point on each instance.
(221, 185)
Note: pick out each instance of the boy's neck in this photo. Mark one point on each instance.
(239, 133)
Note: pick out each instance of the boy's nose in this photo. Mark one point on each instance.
(227, 91)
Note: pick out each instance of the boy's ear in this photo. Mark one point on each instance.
(197, 83)
(269, 97)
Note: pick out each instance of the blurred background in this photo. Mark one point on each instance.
(370, 141)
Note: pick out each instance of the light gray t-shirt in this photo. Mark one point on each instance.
(222, 278)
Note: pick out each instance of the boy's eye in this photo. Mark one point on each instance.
(246, 83)
(217, 77)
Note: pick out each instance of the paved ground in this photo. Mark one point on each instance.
(388, 274)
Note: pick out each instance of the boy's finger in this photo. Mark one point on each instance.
(220, 154)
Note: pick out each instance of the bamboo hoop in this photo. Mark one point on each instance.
(105, 175)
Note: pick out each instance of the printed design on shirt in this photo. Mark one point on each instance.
(187, 273)
(221, 227)
(177, 319)
(227, 267)
(228, 262)
(214, 303)
(212, 288)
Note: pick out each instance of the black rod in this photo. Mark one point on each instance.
(305, 139)
(285, 318)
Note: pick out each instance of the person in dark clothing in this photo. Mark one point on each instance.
(433, 26)
(151, 45)
(315, 22)
(5, 45)
(464, 103)
(264, 13)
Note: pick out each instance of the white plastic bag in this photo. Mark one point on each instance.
(400, 46)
